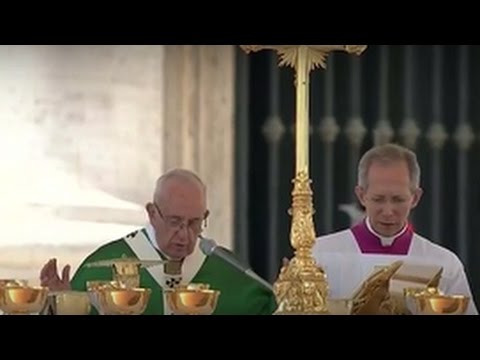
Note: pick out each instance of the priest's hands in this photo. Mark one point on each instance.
(50, 278)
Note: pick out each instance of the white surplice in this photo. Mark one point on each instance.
(346, 267)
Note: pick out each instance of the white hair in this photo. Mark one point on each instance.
(177, 174)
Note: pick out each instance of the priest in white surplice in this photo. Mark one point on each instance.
(388, 188)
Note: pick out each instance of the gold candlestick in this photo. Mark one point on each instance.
(302, 287)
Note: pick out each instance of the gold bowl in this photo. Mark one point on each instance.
(93, 287)
(122, 301)
(442, 304)
(410, 304)
(16, 299)
(194, 299)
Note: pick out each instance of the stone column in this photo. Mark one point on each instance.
(198, 124)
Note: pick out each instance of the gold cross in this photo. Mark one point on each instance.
(302, 286)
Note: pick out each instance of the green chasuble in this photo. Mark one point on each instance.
(239, 294)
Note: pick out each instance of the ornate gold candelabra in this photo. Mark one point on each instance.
(302, 287)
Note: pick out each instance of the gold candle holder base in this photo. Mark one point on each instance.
(302, 286)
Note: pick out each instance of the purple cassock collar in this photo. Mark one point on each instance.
(369, 243)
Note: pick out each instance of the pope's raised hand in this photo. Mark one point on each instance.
(50, 278)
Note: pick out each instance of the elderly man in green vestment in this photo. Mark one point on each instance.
(176, 218)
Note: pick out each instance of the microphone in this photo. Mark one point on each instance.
(209, 247)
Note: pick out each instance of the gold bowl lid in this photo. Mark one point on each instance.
(191, 287)
(13, 282)
(126, 261)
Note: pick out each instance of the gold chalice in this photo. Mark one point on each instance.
(442, 304)
(193, 299)
(17, 299)
(122, 301)
(339, 306)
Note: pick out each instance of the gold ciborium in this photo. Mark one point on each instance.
(68, 302)
(122, 301)
(193, 299)
(18, 299)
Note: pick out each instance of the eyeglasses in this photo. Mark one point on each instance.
(196, 225)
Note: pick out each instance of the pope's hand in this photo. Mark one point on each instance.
(50, 278)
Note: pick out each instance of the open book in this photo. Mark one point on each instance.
(383, 291)
(415, 276)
